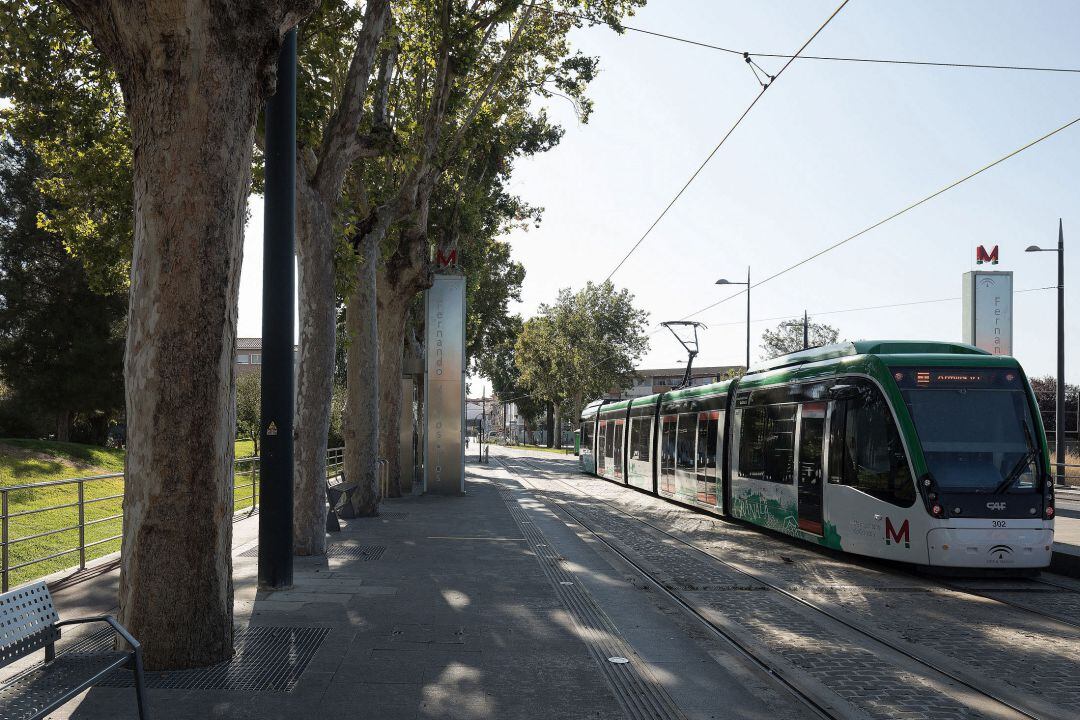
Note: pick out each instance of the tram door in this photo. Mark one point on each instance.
(707, 433)
(811, 471)
(618, 450)
(601, 436)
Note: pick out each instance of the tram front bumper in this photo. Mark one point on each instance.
(990, 547)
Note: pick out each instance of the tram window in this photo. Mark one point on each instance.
(703, 444)
(586, 436)
(667, 452)
(640, 428)
(865, 449)
(767, 443)
(685, 442)
(713, 441)
(609, 440)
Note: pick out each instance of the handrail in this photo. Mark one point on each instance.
(245, 467)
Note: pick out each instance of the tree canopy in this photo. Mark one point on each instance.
(61, 343)
(584, 345)
(787, 337)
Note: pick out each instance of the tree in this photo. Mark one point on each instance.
(476, 114)
(788, 337)
(1045, 389)
(585, 345)
(335, 88)
(249, 406)
(61, 344)
(193, 74)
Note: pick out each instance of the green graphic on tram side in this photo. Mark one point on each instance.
(768, 512)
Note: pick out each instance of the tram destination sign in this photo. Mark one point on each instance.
(988, 311)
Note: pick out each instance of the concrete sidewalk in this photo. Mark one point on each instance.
(482, 606)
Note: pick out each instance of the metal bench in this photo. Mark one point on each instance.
(28, 622)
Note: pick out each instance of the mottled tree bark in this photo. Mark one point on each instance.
(319, 184)
(392, 314)
(315, 370)
(194, 75)
(362, 393)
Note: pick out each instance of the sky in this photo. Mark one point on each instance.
(830, 149)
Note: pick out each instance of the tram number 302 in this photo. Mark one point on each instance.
(999, 523)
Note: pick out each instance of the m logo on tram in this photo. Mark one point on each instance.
(892, 535)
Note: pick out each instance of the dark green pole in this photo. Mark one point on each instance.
(1059, 411)
(279, 307)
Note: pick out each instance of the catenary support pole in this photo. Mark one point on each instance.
(747, 318)
(805, 331)
(279, 279)
(1059, 411)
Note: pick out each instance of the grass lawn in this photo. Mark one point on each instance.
(36, 461)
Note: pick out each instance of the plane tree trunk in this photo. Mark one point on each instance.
(319, 185)
(362, 380)
(315, 369)
(194, 75)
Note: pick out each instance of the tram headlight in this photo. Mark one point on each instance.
(1049, 512)
(936, 511)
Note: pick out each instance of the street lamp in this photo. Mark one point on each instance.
(722, 281)
(1059, 410)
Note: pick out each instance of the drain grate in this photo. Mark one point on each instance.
(363, 553)
(267, 658)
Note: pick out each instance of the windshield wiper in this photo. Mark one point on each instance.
(1019, 468)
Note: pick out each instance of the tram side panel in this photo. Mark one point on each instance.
(831, 472)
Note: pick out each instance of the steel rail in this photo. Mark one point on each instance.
(779, 674)
(876, 637)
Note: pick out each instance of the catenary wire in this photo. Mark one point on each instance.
(798, 315)
(889, 218)
(722, 141)
(832, 58)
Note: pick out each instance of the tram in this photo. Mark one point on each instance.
(928, 453)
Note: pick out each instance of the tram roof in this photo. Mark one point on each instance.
(867, 347)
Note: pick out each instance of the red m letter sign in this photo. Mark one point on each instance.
(982, 256)
(451, 259)
(892, 535)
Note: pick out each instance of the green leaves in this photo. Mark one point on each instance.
(584, 346)
(66, 106)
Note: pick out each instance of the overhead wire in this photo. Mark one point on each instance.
(720, 144)
(891, 217)
(832, 58)
(811, 314)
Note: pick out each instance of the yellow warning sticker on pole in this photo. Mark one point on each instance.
(271, 429)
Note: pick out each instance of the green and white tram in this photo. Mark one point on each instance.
(924, 452)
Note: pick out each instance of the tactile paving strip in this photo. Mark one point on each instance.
(363, 553)
(640, 694)
(267, 658)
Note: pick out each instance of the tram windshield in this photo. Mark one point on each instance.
(975, 427)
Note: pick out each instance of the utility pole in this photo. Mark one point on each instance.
(805, 331)
(1059, 411)
(483, 418)
(278, 329)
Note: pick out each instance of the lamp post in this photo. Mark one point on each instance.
(1059, 410)
(722, 281)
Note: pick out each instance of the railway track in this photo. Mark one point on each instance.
(1007, 707)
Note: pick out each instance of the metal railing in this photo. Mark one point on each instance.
(73, 512)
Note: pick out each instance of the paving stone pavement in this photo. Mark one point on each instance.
(448, 614)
